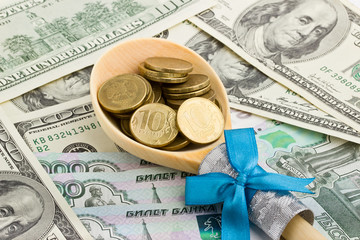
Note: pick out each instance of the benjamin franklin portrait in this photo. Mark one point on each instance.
(69, 87)
(26, 208)
(291, 29)
(238, 77)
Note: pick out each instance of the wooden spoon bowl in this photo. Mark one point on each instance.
(125, 58)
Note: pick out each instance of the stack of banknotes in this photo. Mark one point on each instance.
(291, 70)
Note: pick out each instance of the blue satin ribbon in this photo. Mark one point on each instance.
(237, 193)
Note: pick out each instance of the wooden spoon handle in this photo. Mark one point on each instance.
(299, 229)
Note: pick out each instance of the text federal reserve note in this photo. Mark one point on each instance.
(31, 206)
(43, 40)
(293, 43)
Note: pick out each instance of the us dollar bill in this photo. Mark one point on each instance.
(333, 162)
(54, 163)
(138, 186)
(250, 90)
(31, 206)
(316, 57)
(60, 37)
(68, 127)
(157, 221)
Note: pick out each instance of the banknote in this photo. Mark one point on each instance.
(258, 93)
(44, 40)
(67, 127)
(54, 163)
(31, 206)
(333, 162)
(315, 57)
(69, 87)
(147, 185)
(169, 221)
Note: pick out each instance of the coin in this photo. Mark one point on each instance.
(168, 79)
(123, 93)
(125, 127)
(154, 125)
(168, 64)
(194, 82)
(157, 91)
(179, 143)
(200, 120)
(187, 95)
(151, 73)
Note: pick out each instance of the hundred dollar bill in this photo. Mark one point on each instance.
(169, 221)
(292, 42)
(31, 207)
(250, 90)
(69, 87)
(67, 127)
(54, 163)
(43, 40)
(151, 185)
(333, 162)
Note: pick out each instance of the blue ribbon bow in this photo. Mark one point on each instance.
(219, 187)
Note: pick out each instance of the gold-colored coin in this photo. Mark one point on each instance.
(125, 127)
(154, 125)
(168, 79)
(209, 95)
(145, 72)
(157, 91)
(123, 93)
(122, 115)
(200, 120)
(176, 103)
(194, 83)
(187, 95)
(168, 64)
(179, 143)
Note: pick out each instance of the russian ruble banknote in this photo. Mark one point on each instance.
(55, 163)
(335, 165)
(315, 57)
(138, 186)
(44, 40)
(31, 206)
(169, 221)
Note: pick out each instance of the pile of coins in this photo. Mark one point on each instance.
(165, 106)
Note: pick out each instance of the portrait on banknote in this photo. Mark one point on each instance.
(238, 77)
(69, 87)
(291, 30)
(26, 208)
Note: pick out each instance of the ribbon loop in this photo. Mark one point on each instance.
(218, 187)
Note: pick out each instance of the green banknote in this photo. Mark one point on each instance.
(153, 221)
(148, 185)
(54, 163)
(43, 40)
(335, 165)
